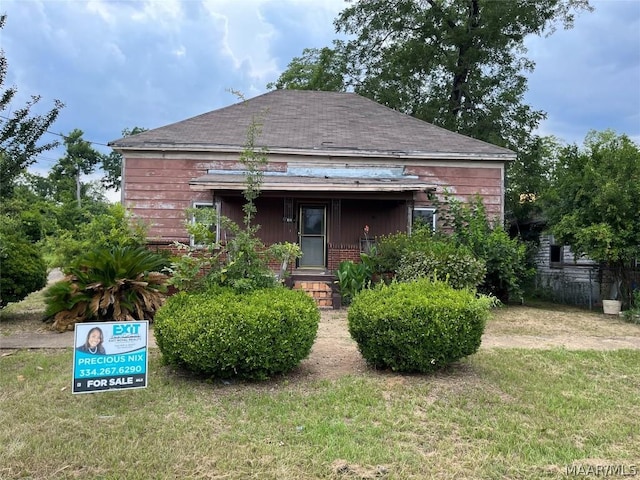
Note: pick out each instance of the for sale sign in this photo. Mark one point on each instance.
(110, 356)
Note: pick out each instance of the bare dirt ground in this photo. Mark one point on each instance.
(335, 354)
(550, 326)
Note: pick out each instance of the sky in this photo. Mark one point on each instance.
(118, 64)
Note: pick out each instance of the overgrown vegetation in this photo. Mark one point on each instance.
(115, 227)
(224, 334)
(22, 268)
(469, 252)
(505, 258)
(241, 262)
(593, 204)
(443, 260)
(122, 283)
(417, 326)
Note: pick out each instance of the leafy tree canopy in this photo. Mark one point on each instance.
(80, 158)
(594, 200)
(320, 69)
(459, 64)
(20, 131)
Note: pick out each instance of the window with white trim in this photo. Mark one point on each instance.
(207, 214)
(424, 216)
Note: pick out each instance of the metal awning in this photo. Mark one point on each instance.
(289, 183)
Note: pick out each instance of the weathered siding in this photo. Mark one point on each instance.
(464, 182)
(571, 280)
(156, 188)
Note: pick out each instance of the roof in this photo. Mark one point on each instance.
(302, 121)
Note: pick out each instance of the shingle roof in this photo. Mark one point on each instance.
(299, 120)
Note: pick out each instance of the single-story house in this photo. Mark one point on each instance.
(337, 162)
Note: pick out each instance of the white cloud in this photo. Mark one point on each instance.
(245, 36)
(167, 13)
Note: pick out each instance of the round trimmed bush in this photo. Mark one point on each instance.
(417, 326)
(23, 269)
(226, 334)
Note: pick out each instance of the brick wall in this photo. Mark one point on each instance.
(320, 291)
(341, 252)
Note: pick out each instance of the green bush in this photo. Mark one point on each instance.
(504, 257)
(353, 277)
(417, 326)
(22, 269)
(114, 228)
(390, 249)
(223, 333)
(121, 283)
(444, 261)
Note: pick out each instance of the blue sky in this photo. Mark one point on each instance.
(120, 64)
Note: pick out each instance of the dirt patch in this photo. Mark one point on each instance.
(335, 354)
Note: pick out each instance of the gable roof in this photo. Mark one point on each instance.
(303, 121)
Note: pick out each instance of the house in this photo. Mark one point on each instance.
(566, 277)
(337, 162)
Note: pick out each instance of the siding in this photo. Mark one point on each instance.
(156, 189)
(573, 281)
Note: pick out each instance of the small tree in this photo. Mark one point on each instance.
(20, 131)
(243, 262)
(594, 203)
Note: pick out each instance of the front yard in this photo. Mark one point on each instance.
(516, 413)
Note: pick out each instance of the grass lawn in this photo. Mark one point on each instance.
(502, 413)
(499, 414)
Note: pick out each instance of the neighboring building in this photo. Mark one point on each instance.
(573, 279)
(337, 162)
(564, 277)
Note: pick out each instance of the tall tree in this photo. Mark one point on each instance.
(459, 64)
(322, 69)
(528, 177)
(594, 201)
(112, 163)
(80, 158)
(20, 131)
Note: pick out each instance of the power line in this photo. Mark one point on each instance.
(65, 136)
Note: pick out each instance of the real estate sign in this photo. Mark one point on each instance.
(110, 356)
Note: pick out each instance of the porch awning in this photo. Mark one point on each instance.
(289, 183)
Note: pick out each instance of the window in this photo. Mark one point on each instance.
(424, 216)
(555, 255)
(208, 215)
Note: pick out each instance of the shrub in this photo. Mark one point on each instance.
(418, 326)
(353, 277)
(224, 334)
(443, 261)
(114, 228)
(22, 268)
(505, 257)
(122, 283)
(390, 249)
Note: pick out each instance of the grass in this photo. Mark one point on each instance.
(501, 413)
(516, 414)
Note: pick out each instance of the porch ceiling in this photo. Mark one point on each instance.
(290, 183)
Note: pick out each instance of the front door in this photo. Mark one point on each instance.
(313, 235)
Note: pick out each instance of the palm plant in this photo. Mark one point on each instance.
(118, 284)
